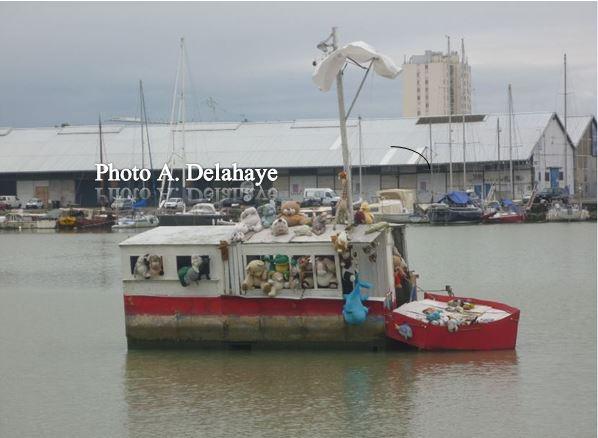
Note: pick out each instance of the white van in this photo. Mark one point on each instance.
(10, 201)
(317, 197)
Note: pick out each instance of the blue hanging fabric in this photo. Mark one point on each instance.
(354, 312)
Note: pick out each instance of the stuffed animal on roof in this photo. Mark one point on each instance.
(340, 241)
(368, 217)
(291, 212)
(319, 223)
(279, 227)
(250, 218)
(268, 214)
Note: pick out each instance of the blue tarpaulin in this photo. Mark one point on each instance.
(140, 204)
(459, 198)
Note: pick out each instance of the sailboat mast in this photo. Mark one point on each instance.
(431, 162)
(511, 143)
(101, 158)
(343, 128)
(182, 103)
(463, 111)
(565, 117)
(144, 121)
(141, 126)
(498, 150)
(450, 112)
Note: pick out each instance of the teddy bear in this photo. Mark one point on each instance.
(290, 211)
(364, 215)
(256, 276)
(239, 231)
(319, 223)
(250, 218)
(276, 283)
(148, 266)
(268, 214)
(340, 242)
(306, 272)
(280, 227)
(326, 273)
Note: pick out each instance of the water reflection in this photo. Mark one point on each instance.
(312, 394)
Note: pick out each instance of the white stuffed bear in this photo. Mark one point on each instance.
(251, 218)
(280, 227)
(277, 282)
(326, 273)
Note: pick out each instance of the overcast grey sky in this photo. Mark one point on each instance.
(67, 62)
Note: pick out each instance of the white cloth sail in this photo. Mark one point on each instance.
(327, 69)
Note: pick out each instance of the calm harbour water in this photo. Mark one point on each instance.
(65, 369)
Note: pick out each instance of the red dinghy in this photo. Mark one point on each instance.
(500, 217)
(440, 322)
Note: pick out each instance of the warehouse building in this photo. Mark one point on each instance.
(58, 163)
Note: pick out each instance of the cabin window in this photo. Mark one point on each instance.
(133, 261)
(192, 268)
(547, 176)
(560, 176)
(326, 273)
(152, 265)
(182, 261)
(302, 274)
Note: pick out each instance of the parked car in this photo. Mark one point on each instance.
(34, 203)
(319, 197)
(235, 201)
(173, 204)
(122, 204)
(551, 193)
(9, 201)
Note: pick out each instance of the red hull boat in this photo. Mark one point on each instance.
(505, 218)
(494, 327)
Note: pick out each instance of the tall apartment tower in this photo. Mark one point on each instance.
(426, 90)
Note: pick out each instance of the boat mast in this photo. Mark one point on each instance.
(183, 114)
(463, 111)
(498, 150)
(101, 158)
(141, 126)
(565, 117)
(450, 111)
(511, 143)
(431, 162)
(176, 114)
(343, 128)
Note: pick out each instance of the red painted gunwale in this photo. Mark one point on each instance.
(497, 335)
(238, 306)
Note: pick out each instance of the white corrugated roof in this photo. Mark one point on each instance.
(576, 126)
(292, 144)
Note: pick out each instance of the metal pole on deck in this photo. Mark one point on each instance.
(343, 128)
